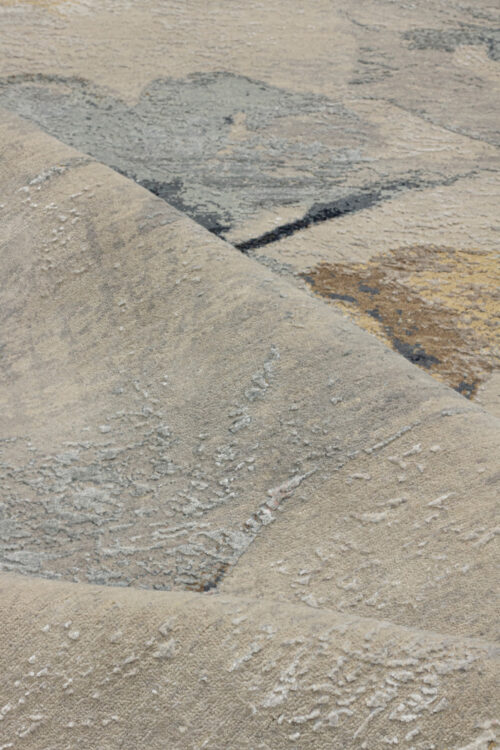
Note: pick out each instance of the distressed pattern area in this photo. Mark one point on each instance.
(127, 508)
(313, 679)
(231, 518)
(211, 411)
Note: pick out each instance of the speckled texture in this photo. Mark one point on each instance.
(268, 124)
(124, 668)
(229, 517)
(186, 420)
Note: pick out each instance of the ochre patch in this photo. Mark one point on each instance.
(437, 306)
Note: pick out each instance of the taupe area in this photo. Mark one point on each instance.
(230, 517)
(265, 123)
(177, 417)
(101, 667)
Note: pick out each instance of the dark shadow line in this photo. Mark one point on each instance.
(352, 203)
